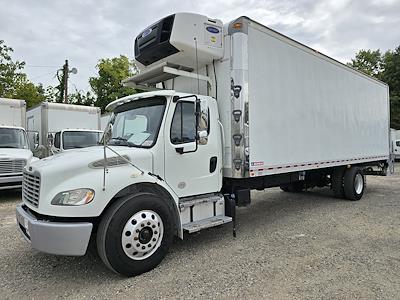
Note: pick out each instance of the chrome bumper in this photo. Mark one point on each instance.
(54, 237)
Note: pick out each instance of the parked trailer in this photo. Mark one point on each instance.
(14, 149)
(244, 108)
(50, 121)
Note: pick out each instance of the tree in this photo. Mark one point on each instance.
(391, 75)
(385, 67)
(368, 62)
(107, 85)
(14, 82)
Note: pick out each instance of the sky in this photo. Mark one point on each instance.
(44, 33)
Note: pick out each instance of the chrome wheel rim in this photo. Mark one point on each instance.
(359, 183)
(142, 235)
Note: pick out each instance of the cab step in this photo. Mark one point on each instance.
(206, 223)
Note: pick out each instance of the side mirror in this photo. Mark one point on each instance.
(50, 140)
(203, 137)
(35, 140)
(107, 133)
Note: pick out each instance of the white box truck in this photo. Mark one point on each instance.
(14, 149)
(243, 107)
(57, 127)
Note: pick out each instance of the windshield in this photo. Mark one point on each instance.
(136, 124)
(80, 139)
(13, 138)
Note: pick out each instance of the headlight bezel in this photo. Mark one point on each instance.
(83, 196)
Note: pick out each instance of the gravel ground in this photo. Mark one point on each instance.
(304, 246)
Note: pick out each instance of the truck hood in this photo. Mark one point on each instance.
(12, 153)
(78, 160)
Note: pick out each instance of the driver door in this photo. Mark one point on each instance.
(192, 167)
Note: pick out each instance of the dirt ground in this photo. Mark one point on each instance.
(288, 246)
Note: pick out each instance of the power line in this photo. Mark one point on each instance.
(34, 66)
(41, 75)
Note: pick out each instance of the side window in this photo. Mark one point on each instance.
(57, 140)
(183, 124)
(398, 143)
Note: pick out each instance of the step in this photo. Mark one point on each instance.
(206, 223)
(190, 201)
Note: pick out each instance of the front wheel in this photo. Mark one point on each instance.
(135, 234)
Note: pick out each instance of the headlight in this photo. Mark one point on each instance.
(74, 197)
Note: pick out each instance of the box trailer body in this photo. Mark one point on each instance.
(231, 108)
(47, 119)
(14, 149)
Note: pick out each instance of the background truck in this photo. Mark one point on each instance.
(14, 149)
(395, 138)
(243, 108)
(56, 127)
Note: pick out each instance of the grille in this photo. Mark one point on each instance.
(31, 189)
(12, 166)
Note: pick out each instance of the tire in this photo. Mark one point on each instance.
(354, 184)
(337, 182)
(147, 219)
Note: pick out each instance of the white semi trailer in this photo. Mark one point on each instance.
(57, 127)
(14, 149)
(243, 107)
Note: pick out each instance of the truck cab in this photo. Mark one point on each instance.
(69, 139)
(14, 154)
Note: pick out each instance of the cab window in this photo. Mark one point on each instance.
(183, 127)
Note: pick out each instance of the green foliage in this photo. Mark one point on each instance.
(13, 81)
(385, 67)
(107, 85)
(368, 62)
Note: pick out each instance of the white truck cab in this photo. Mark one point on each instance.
(69, 139)
(226, 103)
(14, 148)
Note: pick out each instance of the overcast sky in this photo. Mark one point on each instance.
(45, 33)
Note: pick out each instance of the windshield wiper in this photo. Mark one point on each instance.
(121, 139)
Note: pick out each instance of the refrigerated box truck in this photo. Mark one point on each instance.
(243, 108)
(57, 127)
(14, 149)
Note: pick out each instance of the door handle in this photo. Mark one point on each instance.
(213, 164)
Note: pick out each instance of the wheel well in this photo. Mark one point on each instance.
(153, 189)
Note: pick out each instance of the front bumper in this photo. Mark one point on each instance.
(60, 238)
(10, 181)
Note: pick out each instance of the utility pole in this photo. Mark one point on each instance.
(65, 77)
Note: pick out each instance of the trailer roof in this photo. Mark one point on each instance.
(244, 19)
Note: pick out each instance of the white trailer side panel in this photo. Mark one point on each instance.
(59, 119)
(308, 111)
(12, 112)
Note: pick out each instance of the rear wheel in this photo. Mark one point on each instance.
(135, 234)
(354, 183)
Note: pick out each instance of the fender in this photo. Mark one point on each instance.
(159, 188)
